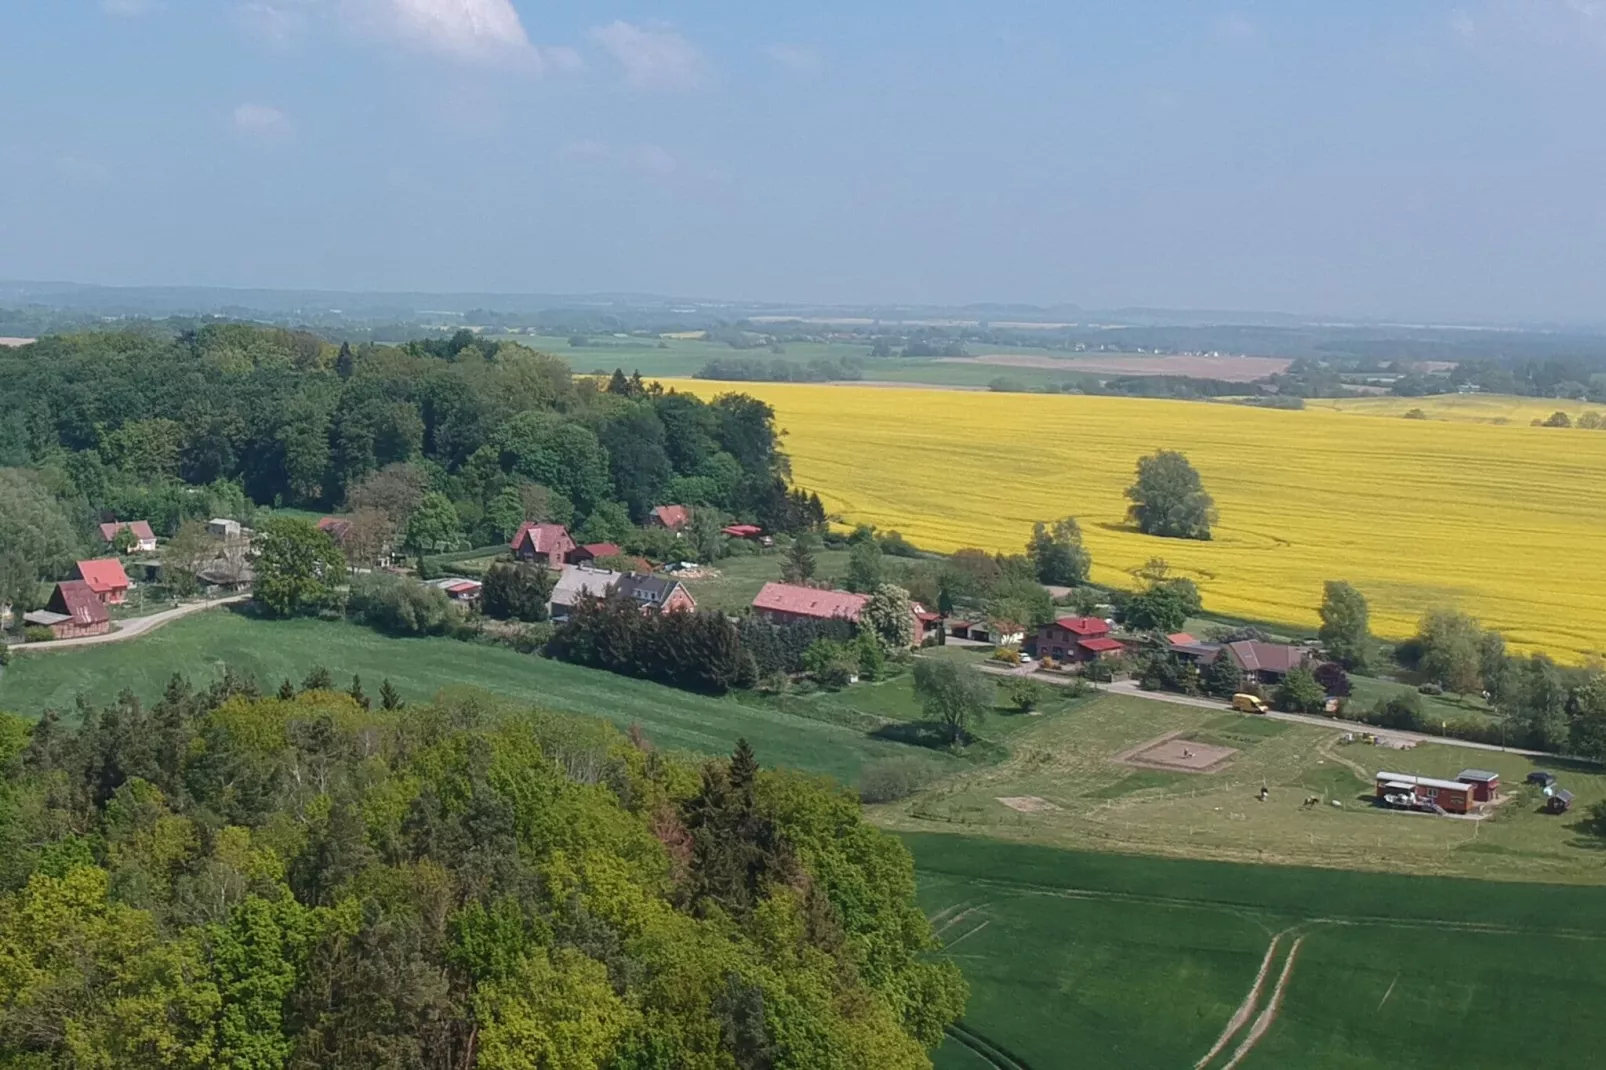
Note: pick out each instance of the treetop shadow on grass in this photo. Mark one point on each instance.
(933, 735)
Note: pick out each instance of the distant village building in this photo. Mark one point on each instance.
(544, 544)
(459, 588)
(660, 594)
(576, 582)
(670, 517)
(220, 528)
(337, 528)
(1077, 639)
(144, 537)
(785, 603)
(1451, 796)
(74, 611)
(105, 576)
(593, 551)
(1262, 663)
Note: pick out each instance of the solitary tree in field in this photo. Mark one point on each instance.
(1346, 632)
(1169, 498)
(1058, 554)
(953, 695)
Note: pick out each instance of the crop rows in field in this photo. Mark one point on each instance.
(1504, 521)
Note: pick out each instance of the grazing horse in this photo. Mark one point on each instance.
(1312, 801)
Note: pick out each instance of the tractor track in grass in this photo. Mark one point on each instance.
(1264, 1020)
(1253, 911)
(991, 1051)
(1247, 1007)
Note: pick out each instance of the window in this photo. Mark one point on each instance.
(1433, 793)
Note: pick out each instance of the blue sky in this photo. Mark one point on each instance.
(1415, 159)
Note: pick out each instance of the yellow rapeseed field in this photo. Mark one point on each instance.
(1507, 522)
(1472, 408)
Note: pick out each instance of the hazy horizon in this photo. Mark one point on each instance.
(1430, 165)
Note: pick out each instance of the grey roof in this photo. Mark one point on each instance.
(1563, 794)
(1478, 776)
(576, 582)
(645, 588)
(45, 617)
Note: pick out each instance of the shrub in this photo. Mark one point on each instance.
(1300, 693)
(399, 606)
(1006, 655)
(1333, 679)
(38, 633)
(1431, 689)
(1403, 711)
(893, 544)
(1026, 694)
(5, 653)
(1416, 414)
(891, 779)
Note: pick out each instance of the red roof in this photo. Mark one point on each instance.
(103, 574)
(543, 538)
(672, 516)
(78, 601)
(141, 529)
(1180, 639)
(810, 601)
(335, 526)
(1100, 646)
(742, 531)
(601, 549)
(1084, 626)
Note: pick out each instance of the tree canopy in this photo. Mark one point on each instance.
(299, 882)
(1058, 554)
(1346, 632)
(1168, 499)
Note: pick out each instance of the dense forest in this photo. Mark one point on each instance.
(224, 879)
(144, 424)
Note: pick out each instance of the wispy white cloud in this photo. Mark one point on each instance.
(795, 57)
(464, 30)
(1236, 27)
(259, 122)
(1561, 25)
(652, 57)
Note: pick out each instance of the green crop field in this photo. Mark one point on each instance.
(201, 645)
(1079, 959)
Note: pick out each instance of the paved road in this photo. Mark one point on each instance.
(128, 629)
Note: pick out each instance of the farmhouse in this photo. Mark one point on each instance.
(545, 544)
(659, 594)
(1485, 784)
(74, 610)
(577, 582)
(1452, 796)
(592, 551)
(144, 537)
(1265, 663)
(1077, 639)
(784, 603)
(669, 517)
(105, 577)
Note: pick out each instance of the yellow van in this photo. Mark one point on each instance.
(1249, 704)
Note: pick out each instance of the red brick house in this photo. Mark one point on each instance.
(545, 544)
(670, 517)
(74, 611)
(1077, 639)
(144, 537)
(591, 551)
(106, 578)
(659, 594)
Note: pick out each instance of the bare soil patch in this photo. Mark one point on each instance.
(1230, 369)
(1178, 755)
(17, 341)
(1028, 804)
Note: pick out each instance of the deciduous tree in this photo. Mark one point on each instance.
(1346, 632)
(1169, 499)
(1058, 554)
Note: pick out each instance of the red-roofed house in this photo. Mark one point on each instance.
(1181, 639)
(546, 544)
(1076, 639)
(591, 551)
(74, 610)
(743, 531)
(106, 578)
(336, 528)
(144, 537)
(670, 517)
(786, 602)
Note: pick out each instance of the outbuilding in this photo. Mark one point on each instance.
(1485, 784)
(74, 611)
(1560, 801)
(1451, 796)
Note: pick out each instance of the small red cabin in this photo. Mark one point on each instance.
(1451, 796)
(1485, 784)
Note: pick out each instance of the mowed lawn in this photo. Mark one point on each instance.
(1079, 959)
(1071, 759)
(201, 645)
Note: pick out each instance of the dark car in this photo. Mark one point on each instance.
(1542, 778)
